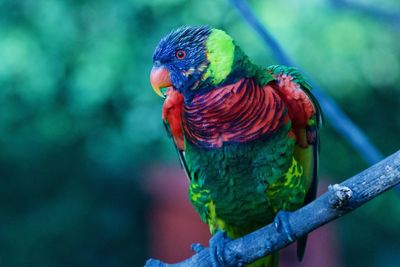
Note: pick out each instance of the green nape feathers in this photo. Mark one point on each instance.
(220, 55)
(227, 62)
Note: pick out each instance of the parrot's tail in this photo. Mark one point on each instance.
(268, 261)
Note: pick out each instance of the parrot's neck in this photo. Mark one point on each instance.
(244, 68)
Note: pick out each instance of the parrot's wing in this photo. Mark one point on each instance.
(172, 119)
(181, 153)
(306, 115)
(308, 158)
(296, 92)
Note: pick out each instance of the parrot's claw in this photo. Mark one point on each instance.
(217, 246)
(197, 247)
(154, 263)
(282, 224)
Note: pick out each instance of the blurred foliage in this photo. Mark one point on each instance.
(79, 121)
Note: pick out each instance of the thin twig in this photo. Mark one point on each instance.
(388, 16)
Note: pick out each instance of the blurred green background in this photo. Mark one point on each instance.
(79, 122)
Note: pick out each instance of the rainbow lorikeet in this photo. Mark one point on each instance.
(246, 135)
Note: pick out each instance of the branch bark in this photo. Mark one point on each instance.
(338, 201)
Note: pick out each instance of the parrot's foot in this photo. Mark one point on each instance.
(154, 263)
(217, 246)
(197, 247)
(282, 224)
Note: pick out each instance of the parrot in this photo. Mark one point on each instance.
(246, 135)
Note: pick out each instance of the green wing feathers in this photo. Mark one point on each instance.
(306, 116)
(297, 95)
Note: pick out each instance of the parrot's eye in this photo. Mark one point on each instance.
(180, 54)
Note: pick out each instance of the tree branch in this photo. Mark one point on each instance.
(338, 201)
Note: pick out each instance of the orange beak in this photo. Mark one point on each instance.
(160, 80)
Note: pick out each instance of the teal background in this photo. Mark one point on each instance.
(80, 124)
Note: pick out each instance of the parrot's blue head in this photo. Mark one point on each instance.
(189, 57)
(181, 55)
